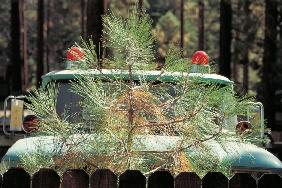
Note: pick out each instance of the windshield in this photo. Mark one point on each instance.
(68, 105)
(68, 101)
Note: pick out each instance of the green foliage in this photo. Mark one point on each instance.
(35, 161)
(135, 32)
(43, 104)
(192, 111)
(175, 62)
(90, 60)
(136, 124)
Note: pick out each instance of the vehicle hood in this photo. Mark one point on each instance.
(239, 155)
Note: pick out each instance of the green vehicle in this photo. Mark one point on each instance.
(127, 117)
(249, 158)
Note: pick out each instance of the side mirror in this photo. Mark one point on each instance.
(16, 117)
(255, 116)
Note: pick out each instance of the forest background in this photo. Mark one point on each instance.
(242, 37)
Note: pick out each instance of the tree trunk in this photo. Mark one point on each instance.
(40, 42)
(246, 26)
(280, 23)
(94, 27)
(269, 60)
(245, 73)
(47, 32)
(23, 46)
(182, 24)
(201, 26)
(83, 18)
(16, 59)
(140, 6)
(225, 38)
(237, 47)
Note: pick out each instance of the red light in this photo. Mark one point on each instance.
(243, 127)
(30, 123)
(75, 53)
(200, 58)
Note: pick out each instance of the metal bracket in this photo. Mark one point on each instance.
(21, 97)
(260, 105)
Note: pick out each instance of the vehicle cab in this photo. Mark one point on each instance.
(250, 123)
(253, 119)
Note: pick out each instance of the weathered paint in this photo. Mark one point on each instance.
(239, 155)
(137, 75)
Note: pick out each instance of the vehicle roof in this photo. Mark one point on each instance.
(137, 75)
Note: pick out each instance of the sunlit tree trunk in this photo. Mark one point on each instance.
(225, 38)
(181, 24)
(201, 26)
(269, 60)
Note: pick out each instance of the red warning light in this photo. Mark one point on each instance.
(200, 58)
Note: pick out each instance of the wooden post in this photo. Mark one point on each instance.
(103, 178)
(161, 179)
(132, 178)
(242, 180)
(214, 179)
(16, 178)
(46, 178)
(270, 180)
(75, 178)
(187, 180)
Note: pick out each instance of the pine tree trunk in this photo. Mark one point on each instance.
(16, 59)
(94, 27)
(280, 23)
(140, 6)
(225, 38)
(237, 47)
(23, 47)
(201, 26)
(182, 24)
(40, 42)
(269, 60)
(235, 72)
(47, 32)
(83, 18)
(245, 74)
(246, 46)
